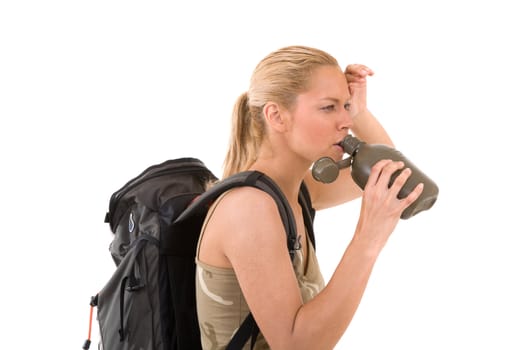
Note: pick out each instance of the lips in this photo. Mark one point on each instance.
(339, 147)
(342, 140)
(340, 143)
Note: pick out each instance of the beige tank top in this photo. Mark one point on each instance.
(221, 306)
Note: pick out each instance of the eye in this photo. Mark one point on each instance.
(347, 106)
(328, 108)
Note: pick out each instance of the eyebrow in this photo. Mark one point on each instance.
(333, 99)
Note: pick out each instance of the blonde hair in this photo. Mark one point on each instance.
(279, 78)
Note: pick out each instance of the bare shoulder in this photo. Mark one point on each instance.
(244, 208)
(245, 222)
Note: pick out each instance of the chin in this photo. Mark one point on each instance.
(336, 153)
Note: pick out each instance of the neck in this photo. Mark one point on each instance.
(286, 173)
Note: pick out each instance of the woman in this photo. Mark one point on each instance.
(299, 106)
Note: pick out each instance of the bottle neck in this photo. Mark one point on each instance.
(351, 144)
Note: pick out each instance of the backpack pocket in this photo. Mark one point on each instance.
(128, 305)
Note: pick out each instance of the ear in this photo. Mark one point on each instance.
(274, 116)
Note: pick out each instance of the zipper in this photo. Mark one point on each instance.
(179, 166)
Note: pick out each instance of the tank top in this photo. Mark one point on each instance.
(221, 307)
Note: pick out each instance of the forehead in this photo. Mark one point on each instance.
(328, 82)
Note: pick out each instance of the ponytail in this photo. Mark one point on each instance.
(245, 138)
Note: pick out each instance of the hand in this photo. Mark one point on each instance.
(356, 75)
(380, 207)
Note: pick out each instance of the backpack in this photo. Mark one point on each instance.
(156, 218)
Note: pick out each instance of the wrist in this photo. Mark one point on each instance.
(366, 248)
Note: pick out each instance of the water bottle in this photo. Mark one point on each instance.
(362, 157)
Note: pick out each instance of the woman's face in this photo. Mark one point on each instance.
(320, 118)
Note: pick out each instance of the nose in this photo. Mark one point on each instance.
(345, 120)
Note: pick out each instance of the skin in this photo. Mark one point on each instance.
(255, 246)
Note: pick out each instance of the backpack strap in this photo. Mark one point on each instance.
(308, 211)
(247, 329)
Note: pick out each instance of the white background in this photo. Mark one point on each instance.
(92, 92)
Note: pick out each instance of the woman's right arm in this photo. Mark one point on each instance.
(252, 239)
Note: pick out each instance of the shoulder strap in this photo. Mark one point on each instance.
(308, 211)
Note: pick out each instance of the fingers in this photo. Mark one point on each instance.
(379, 181)
(357, 73)
(382, 171)
(400, 181)
(411, 198)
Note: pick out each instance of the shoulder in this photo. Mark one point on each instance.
(247, 217)
(239, 223)
(246, 202)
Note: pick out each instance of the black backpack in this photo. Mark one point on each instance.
(156, 217)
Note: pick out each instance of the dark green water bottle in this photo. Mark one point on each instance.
(362, 157)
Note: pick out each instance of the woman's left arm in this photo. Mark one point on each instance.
(366, 127)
